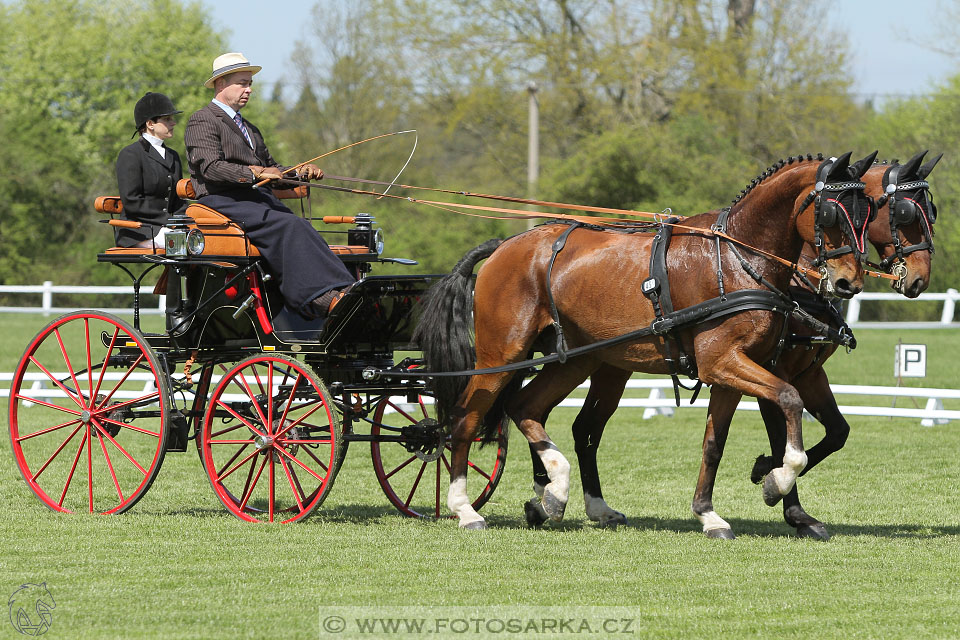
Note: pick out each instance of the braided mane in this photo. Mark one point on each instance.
(772, 169)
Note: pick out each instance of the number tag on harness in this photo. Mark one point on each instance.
(650, 287)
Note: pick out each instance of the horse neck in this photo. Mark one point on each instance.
(766, 216)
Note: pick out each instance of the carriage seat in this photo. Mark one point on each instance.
(222, 236)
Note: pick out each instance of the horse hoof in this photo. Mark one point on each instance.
(553, 506)
(613, 521)
(476, 525)
(817, 531)
(761, 467)
(535, 518)
(720, 534)
(771, 492)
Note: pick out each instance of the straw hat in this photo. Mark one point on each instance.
(230, 63)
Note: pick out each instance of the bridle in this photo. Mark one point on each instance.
(841, 203)
(906, 202)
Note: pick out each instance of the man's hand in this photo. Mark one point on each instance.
(266, 173)
(310, 172)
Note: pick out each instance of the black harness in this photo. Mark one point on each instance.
(907, 201)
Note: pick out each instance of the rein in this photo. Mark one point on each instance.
(613, 223)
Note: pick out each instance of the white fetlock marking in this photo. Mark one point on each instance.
(794, 461)
(558, 470)
(459, 503)
(538, 489)
(597, 508)
(711, 521)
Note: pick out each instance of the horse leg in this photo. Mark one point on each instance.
(528, 409)
(723, 402)
(477, 400)
(606, 388)
(793, 512)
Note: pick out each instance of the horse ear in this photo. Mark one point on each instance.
(909, 168)
(861, 166)
(838, 170)
(925, 170)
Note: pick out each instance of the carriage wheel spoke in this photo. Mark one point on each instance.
(252, 396)
(73, 468)
(66, 360)
(399, 410)
(251, 486)
(145, 399)
(132, 427)
(221, 476)
(90, 467)
(76, 398)
(294, 486)
(232, 458)
(56, 453)
(401, 466)
(473, 466)
(86, 334)
(116, 387)
(272, 478)
(113, 474)
(289, 402)
(236, 415)
(300, 421)
(106, 434)
(106, 359)
(305, 467)
(309, 453)
(416, 483)
(47, 430)
(436, 511)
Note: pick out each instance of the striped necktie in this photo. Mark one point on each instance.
(243, 129)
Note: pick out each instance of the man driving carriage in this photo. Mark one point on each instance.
(227, 157)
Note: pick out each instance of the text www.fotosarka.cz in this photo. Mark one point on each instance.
(480, 622)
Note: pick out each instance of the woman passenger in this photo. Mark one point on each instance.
(147, 174)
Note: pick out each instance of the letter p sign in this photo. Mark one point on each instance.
(911, 361)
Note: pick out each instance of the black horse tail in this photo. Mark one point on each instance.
(444, 332)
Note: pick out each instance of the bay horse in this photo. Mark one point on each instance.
(902, 234)
(584, 285)
(903, 237)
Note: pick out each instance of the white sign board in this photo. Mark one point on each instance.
(911, 361)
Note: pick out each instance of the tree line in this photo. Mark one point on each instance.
(644, 104)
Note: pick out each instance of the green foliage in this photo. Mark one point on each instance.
(70, 73)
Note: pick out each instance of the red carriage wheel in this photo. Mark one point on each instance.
(89, 408)
(271, 441)
(415, 473)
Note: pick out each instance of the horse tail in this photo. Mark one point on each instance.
(444, 331)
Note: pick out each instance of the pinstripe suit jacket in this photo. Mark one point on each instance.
(218, 154)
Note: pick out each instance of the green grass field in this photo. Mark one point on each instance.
(178, 566)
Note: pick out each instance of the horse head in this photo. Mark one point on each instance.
(833, 219)
(903, 231)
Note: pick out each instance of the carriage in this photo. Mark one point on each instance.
(269, 400)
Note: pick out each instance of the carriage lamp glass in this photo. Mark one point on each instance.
(195, 242)
(378, 241)
(175, 243)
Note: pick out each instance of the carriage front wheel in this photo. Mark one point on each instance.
(411, 458)
(89, 414)
(271, 441)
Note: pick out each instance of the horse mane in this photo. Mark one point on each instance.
(772, 169)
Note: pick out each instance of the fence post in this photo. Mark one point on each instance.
(949, 304)
(47, 301)
(853, 310)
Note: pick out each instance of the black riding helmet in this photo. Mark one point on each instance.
(151, 107)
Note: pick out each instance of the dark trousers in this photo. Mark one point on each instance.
(295, 252)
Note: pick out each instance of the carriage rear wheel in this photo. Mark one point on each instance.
(415, 472)
(271, 441)
(89, 411)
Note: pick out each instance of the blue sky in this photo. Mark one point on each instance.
(266, 34)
